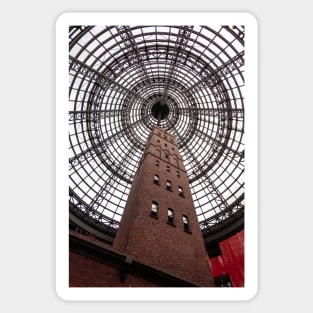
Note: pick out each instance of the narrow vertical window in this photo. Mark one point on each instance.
(168, 168)
(168, 185)
(186, 223)
(157, 162)
(170, 216)
(156, 179)
(178, 173)
(154, 209)
(180, 191)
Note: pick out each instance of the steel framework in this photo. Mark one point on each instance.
(119, 77)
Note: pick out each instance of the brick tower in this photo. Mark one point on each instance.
(159, 225)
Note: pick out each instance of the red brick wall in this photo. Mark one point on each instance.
(86, 272)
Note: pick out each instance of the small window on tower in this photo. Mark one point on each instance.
(180, 191)
(186, 224)
(170, 216)
(168, 168)
(156, 179)
(154, 209)
(178, 173)
(157, 162)
(168, 185)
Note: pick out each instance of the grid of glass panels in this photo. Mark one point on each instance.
(117, 74)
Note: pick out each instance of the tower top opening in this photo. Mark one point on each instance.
(160, 111)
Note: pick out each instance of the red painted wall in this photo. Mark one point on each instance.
(231, 261)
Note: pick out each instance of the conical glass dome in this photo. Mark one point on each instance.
(121, 79)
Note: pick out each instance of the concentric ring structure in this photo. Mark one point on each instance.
(121, 79)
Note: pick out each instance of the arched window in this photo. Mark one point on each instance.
(186, 223)
(180, 191)
(168, 168)
(170, 216)
(154, 209)
(168, 185)
(156, 179)
(178, 173)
